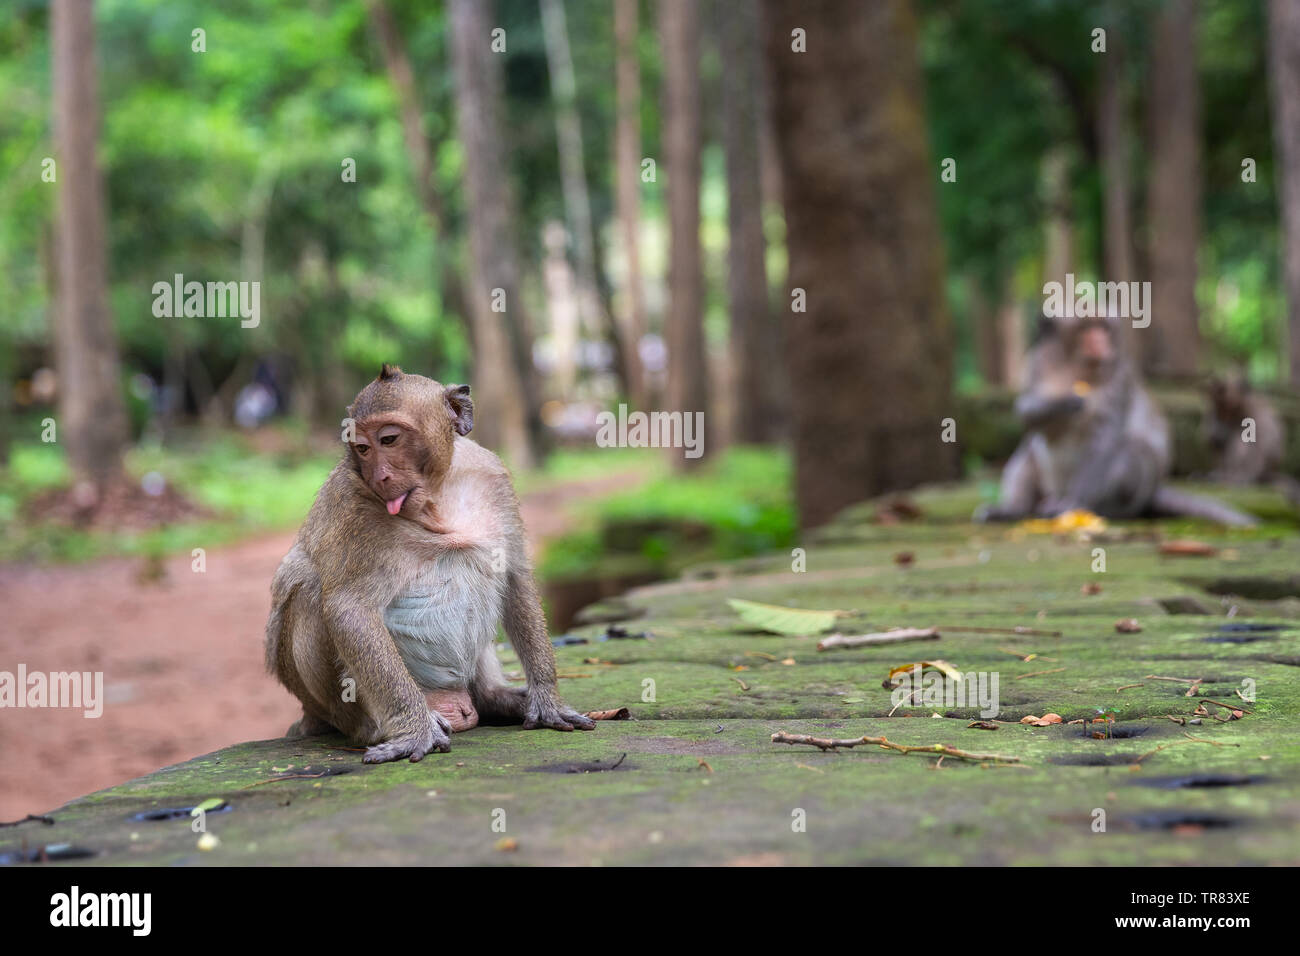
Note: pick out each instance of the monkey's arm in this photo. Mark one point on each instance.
(384, 685)
(1035, 409)
(525, 626)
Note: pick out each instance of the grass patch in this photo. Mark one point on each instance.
(738, 505)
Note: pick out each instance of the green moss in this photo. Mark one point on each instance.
(702, 782)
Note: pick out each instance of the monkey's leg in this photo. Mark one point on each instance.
(309, 725)
(1020, 489)
(385, 691)
(496, 701)
(526, 628)
(297, 655)
(1117, 482)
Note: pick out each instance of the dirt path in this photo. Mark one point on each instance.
(181, 658)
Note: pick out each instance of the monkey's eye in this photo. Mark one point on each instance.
(362, 449)
(387, 439)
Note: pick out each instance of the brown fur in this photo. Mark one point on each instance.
(458, 528)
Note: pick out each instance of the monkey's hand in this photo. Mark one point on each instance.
(433, 737)
(1036, 411)
(544, 709)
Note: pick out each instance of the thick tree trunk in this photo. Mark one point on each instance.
(1284, 67)
(871, 357)
(420, 152)
(1174, 194)
(505, 384)
(755, 349)
(627, 178)
(92, 413)
(687, 361)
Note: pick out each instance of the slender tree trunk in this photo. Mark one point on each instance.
(1011, 333)
(1174, 194)
(627, 176)
(92, 413)
(1058, 239)
(505, 385)
(1284, 66)
(755, 351)
(1113, 140)
(871, 357)
(420, 152)
(573, 176)
(679, 35)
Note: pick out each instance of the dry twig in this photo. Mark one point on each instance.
(827, 743)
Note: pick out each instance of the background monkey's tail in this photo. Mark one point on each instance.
(1168, 502)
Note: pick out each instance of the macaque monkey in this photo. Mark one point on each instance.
(384, 613)
(1240, 462)
(1096, 440)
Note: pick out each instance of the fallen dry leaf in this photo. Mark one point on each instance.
(1188, 548)
(620, 713)
(983, 725)
(506, 845)
(942, 666)
(904, 558)
(1091, 587)
(1044, 721)
(1128, 625)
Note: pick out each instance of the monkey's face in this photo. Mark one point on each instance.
(1093, 346)
(404, 436)
(393, 459)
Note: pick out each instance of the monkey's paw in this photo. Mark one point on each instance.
(546, 711)
(433, 739)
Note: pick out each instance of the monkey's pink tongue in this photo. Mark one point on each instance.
(395, 505)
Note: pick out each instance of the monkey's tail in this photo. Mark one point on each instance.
(1168, 502)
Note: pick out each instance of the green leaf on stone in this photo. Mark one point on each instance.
(784, 620)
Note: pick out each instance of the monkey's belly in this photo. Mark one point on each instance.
(444, 621)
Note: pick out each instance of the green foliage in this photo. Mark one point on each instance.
(738, 505)
(245, 490)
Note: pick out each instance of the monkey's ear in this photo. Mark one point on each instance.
(462, 409)
(388, 372)
(1045, 329)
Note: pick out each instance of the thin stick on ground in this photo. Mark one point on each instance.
(1212, 743)
(1128, 687)
(896, 636)
(827, 743)
(1175, 743)
(1054, 670)
(1032, 631)
(1219, 703)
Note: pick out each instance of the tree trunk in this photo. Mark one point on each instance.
(595, 323)
(1113, 141)
(627, 176)
(1174, 194)
(755, 350)
(92, 413)
(1284, 65)
(684, 329)
(871, 357)
(420, 154)
(505, 384)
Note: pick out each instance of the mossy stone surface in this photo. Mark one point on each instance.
(696, 778)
